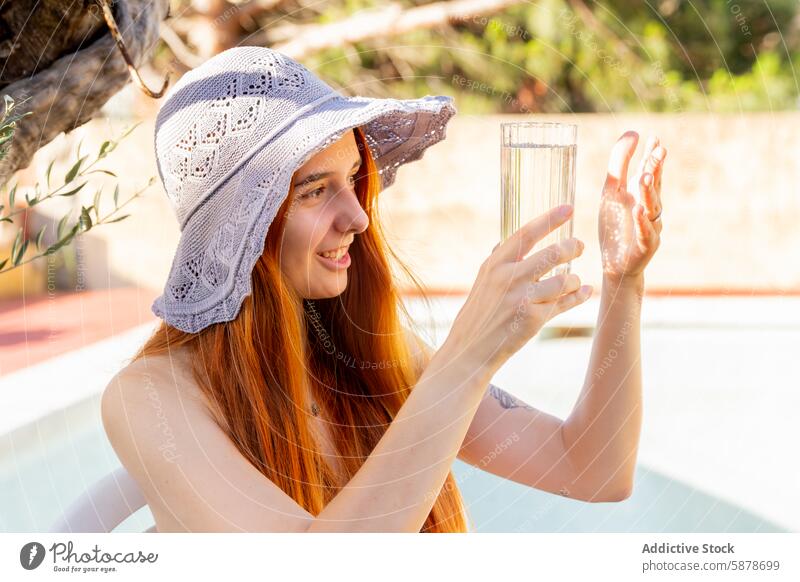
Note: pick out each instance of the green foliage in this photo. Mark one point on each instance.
(552, 56)
(9, 124)
(68, 228)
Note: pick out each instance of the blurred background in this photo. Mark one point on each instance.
(87, 235)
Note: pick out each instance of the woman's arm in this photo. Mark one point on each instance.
(601, 434)
(396, 487)
(514, 440)
(194, 478)
(591, 455)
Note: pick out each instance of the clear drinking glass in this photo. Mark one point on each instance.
(537, 173)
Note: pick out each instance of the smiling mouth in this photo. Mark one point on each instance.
(337, 260)
(335, 254)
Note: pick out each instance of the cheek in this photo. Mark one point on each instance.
(299, 241)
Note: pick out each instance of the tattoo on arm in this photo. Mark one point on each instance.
(505, 399)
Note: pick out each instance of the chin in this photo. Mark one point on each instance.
(317, 292)
(331, 294)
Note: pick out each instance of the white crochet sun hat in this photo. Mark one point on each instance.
(229, 137)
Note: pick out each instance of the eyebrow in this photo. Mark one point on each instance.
(314, 177)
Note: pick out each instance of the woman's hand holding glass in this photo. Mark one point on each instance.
(511, 299)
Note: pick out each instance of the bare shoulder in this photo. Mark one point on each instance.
(150, 386)
(191, 473)
(152, 412)
(148, 397)
(166, 370)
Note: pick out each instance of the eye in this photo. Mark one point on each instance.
(319, 191)
(313, 193)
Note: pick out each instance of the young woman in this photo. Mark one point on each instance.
(317, 408)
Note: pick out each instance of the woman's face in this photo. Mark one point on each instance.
(324, 215)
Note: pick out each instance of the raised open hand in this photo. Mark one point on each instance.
(630, 226)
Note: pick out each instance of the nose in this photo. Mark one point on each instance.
(350, 216)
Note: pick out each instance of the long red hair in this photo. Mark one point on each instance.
(350, 349)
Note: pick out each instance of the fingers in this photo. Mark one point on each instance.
(553, 287)
(646, 234)
(644, 164)
(648, 197)
(651, 166)
(653, 162)
(621, 155)
(570, 300)
(540, 262)
(661, 154)
(523, 240)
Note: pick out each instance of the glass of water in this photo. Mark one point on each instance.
(537, 173)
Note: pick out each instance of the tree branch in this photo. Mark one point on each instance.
(391, 20)
(178, 47)
(137, 79)
(73, 89)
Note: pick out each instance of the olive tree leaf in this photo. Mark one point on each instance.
(18, 253)
(39, 238)
(15, 245)
(49, 169)
(96, 203)
(64, 241)
(109, 172)
(123, 217)
(130, 129)
(103, 149)
(73, 171)
(71, 192)
(85, 221)
(61, 224)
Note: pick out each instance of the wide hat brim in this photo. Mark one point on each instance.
(223, 237)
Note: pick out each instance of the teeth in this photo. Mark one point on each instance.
(334, 254)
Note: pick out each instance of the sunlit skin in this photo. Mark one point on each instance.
(601, 435)
(628, 237)
(590, 455)
(324, 214)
